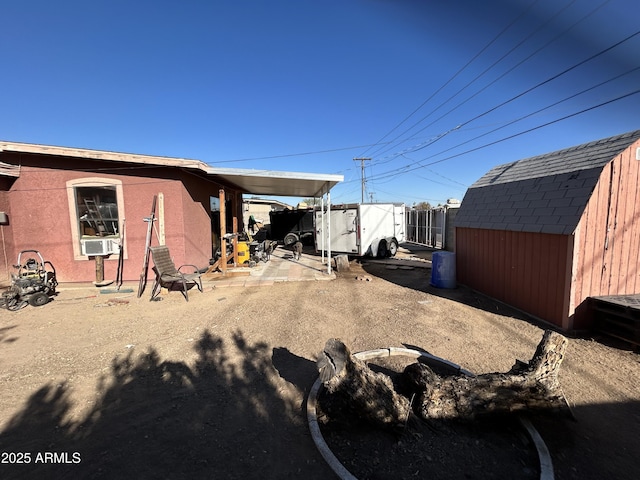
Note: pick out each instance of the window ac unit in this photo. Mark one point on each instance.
(99, 246)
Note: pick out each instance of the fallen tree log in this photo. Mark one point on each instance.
(372, 397)
(358, 392)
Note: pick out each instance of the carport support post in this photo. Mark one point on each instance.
(328, 230)
(223, 231)
(321, 227)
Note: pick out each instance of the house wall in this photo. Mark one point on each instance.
(193, 228)
(39, 214)
(40, 218)
(607, 259)
(527, 270)
(6, 232)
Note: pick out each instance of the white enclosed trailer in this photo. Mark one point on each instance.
(372, 229)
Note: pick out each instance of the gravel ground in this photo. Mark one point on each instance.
(107, 386)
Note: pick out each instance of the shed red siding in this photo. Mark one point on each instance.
(527, 270)
(607, 259)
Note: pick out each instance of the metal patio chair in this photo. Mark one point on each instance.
(168, 276)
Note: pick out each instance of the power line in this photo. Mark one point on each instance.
(544, 82)
(558, 75)
(504, 74)
(512, 122)
(301, 154)
(417, 165)
(501, 76)
(466, 65)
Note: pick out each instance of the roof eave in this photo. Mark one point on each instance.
(255, 182)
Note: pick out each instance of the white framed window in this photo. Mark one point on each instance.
(96, 214)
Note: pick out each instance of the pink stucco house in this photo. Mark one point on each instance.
(59, 200)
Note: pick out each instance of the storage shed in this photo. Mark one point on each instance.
(544, 234)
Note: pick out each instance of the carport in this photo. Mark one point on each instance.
(80, 183)
(277, 183)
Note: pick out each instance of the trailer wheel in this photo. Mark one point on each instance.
(393, 248)
(290, 239)
(382, 249)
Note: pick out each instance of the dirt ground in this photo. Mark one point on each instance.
(112, 386)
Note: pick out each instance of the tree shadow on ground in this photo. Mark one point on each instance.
(227, 414)
(600, 443)
(295, 369)
(5, 334)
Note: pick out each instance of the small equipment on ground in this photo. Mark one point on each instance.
(33, 283)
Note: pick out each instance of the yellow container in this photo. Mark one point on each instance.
(243, 252)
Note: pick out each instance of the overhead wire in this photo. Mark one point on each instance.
(536, 112)
(451, 79)
(417, 165)
(420, 164)
(554, 77)
(564, 32)
(432, 139)
(538, 85)
(486, 70)
(287, 155)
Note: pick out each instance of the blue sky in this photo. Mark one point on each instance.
(434, 92)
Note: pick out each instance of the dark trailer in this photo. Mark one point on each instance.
(290, 226)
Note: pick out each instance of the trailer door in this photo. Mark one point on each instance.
(376, 223)
(344, 237)
(399, 223)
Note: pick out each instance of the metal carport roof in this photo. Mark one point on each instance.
(255, 182)
(268, 182)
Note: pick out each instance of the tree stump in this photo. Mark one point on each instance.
(357, 391)
(371, 396)
(342, 263)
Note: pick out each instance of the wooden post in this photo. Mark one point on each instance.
(223, 231)
(234, 209)
(161, 231)
(99, 269)
(235, 241)
(100, 281)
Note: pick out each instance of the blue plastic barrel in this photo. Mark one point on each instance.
(443, 270)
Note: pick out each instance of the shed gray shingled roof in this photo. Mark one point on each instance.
(546, 193)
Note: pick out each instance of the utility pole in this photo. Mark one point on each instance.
(362, 160)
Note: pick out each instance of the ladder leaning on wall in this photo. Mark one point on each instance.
(94, 215)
